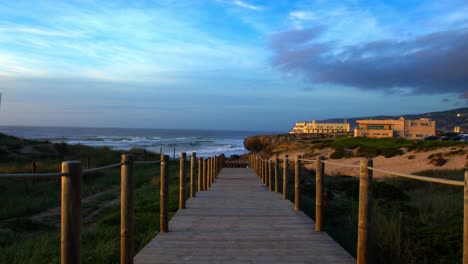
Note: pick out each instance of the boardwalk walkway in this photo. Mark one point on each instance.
(239, 221)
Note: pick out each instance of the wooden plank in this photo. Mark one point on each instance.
(239, 221)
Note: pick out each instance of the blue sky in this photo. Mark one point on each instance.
(228, 64)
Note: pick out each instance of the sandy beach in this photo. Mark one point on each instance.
(411, 162)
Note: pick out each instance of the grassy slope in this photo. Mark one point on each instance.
(37, 240)
(433, 216)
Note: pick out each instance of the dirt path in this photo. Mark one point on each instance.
(92, 206)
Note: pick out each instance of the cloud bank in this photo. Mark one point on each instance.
(434, 63)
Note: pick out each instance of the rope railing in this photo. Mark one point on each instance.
(33, 175)
(341, 164)
(103, 168)
(147, 162)
(308, 160)
(71, 198)
(261, 167)
(421, 178)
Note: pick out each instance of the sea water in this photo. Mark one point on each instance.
(204, 142)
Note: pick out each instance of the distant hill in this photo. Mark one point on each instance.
(446, 120)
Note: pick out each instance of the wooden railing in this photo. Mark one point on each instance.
(71, 197)
(263, 168)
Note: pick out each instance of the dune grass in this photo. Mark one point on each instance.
(433, 216)
(24, 239)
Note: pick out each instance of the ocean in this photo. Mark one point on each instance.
(204, 142)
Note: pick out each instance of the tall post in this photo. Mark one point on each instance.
(276, 172)
(255, 164)
(265, 172)
(319, 203)
(200, 174)
(205, 178)
(215, 166)
(33, 167)
(164, 195)
(173, 157)
(365, 203)
(259, 165)
(183, 156)
(261, 169)
(210, 171)
(70, 229)
(144, 154)
(297, 181)
(270, 176)
(193, 159)
(285, 176)
(127, 208)
(465, 221)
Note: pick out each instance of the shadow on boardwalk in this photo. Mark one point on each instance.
(239, 221)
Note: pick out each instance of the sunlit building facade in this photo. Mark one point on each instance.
(391, 128)
(315, 127)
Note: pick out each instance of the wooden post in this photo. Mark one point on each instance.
(174, 154)
(265, 172)
(200, 174)
(126, 209)
(319, 196)
(88, 162)
(270, 176)
(183, 156)
(164, 195)
(210, 171)
(144, 154)
(259, 161)
(33, 167)
(255, 164)
(465, 221)
(193, 159)
(205, 178)
(285, 176)
(70, 229)
(215, 166)
(260, 167)
(365, 204)
(276, 169)
(297, 181)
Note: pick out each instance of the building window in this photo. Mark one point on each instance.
(419, 135)
(375, 127)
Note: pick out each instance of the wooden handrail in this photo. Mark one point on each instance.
(365, 195)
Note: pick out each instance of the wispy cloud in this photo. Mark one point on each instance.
(17, 29)
(110, 42)
(248, 6)
(302, 15)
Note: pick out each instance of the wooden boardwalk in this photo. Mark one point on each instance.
(239, 221)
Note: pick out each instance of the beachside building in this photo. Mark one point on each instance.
(391, 128)
(315, 127)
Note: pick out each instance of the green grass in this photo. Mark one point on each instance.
(433, 216)
(100, 237)
(24, 240)
(388, 147)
